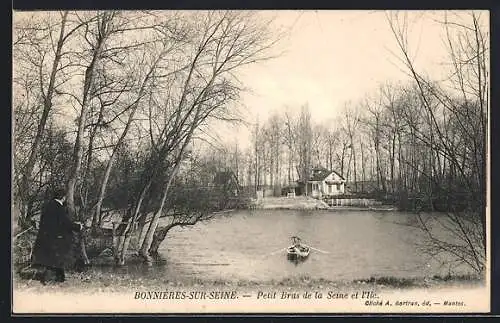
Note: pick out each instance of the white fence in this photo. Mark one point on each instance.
(352, 202)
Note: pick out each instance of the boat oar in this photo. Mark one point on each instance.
(318, 250)
(276, 251)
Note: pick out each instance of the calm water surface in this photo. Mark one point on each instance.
(242, 245)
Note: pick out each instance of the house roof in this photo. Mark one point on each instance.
(341, 177)
(293, 184)
(319, 174)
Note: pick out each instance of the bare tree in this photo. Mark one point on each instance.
(351, 122)
(459, 101)
(218, 44)
(149, 77)
(374, 121)
(290, 143)
(39, 48)
(304, 133)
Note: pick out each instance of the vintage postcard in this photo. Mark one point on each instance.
(293, 161)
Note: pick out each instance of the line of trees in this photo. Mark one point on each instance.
(414, 137)
(108, 104)
(420, 143)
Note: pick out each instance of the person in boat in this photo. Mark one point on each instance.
(300, 247)
(296, 243)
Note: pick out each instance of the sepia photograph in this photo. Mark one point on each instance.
(250, 161)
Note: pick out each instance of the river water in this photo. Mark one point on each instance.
(242, 245)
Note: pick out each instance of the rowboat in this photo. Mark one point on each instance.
(297, 251)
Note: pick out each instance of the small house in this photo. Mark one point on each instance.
(292, 189)
(325, 183)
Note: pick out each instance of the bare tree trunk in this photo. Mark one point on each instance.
(78, 147)
(103, 33)
(363, 176)
(355, 168)
(380, 175)
(96, 219)
(85, 187)
(125, 236)
(47, 106)
(348, 177)
(141, 227)
(256, 152)
(159, 236)
(393, 158)
(148, 239)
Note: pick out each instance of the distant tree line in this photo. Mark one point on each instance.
(420, 144)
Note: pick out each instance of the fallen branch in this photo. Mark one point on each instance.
(23, 232)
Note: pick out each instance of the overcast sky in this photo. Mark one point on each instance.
(329, 58)
(333, 57)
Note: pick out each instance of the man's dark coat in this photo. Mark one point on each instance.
(55, 235)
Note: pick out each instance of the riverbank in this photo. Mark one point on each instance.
(309, 203)
(99, 281)
(290, 203)
(119, 293)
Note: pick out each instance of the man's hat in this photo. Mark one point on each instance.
(58, 192)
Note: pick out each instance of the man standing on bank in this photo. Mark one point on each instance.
(54, 240)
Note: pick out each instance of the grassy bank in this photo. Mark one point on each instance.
(287, 203)
(309, 203)
(96, 281)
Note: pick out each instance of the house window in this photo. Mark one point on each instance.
(338, 187)
(330, 188)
